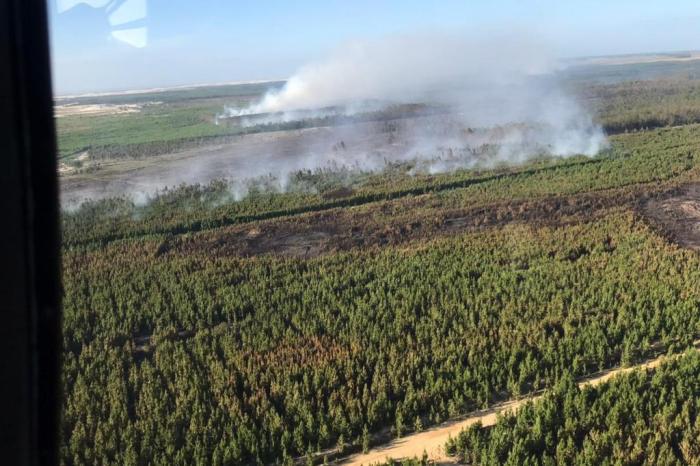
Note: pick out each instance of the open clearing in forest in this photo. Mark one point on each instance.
(432, 441)
(95, 109)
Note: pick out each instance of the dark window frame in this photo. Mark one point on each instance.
(30, 288)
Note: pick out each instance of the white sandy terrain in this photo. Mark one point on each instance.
(640, 58)
(153, 90)
(95, 109)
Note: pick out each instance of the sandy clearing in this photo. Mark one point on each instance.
(185, 87)
(432, 441)
(95, 109)
(640, 59)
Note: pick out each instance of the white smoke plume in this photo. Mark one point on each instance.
(407, 69)
(484, 82)
(498, 100)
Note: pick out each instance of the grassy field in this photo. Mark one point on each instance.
(159, 123)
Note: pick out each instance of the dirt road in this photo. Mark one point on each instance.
(432, 441)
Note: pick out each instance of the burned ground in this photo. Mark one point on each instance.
(676, 215)
(403, 221)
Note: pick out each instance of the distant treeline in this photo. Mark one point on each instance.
(631, 72)
(644, 105)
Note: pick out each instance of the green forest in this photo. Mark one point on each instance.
(290, 356)
(195, 332)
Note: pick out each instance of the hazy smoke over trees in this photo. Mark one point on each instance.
(482, 102)
(506, 82)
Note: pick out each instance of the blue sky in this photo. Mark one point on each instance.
(152, 43)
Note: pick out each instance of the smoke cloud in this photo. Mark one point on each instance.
(435, 101)
(407, 69)
(484, 83)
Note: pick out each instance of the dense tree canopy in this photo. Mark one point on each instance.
(256, 359)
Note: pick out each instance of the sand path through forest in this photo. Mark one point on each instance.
(432, 440)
